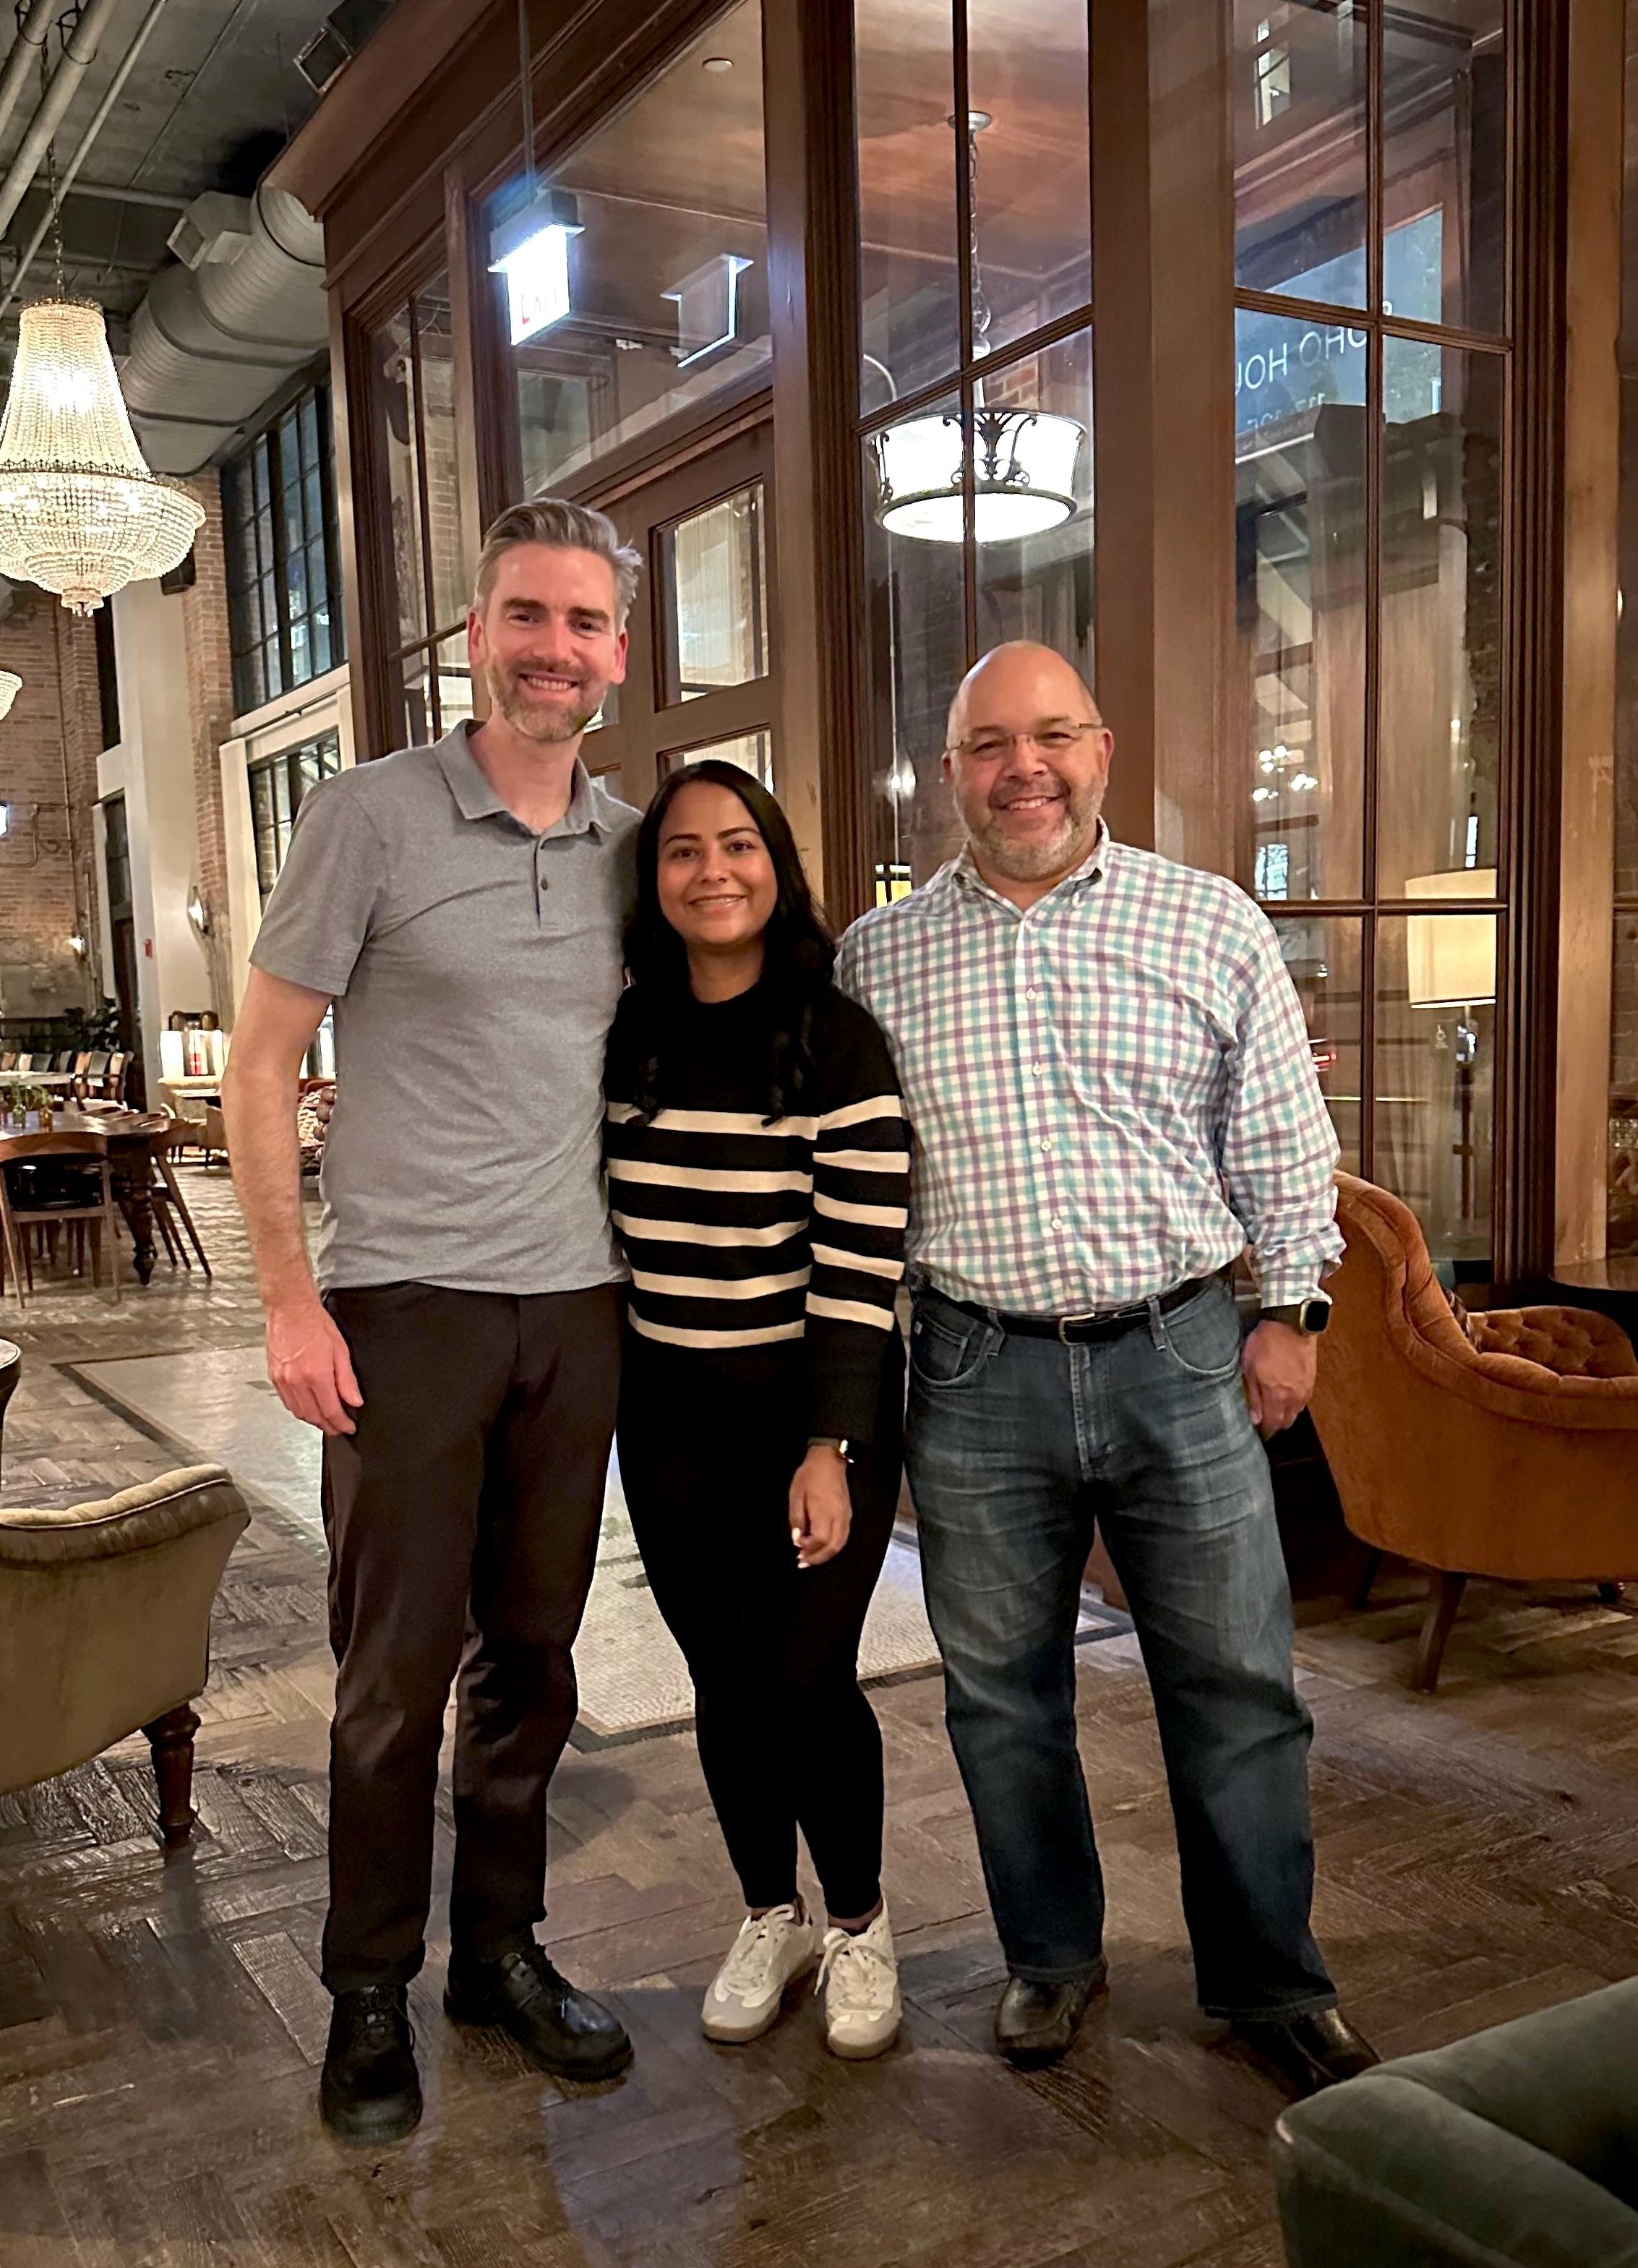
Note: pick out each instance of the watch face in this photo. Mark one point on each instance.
(1316, 1315)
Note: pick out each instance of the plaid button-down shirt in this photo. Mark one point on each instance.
(1110, 1093)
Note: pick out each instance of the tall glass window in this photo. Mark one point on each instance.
(277, 785)
(975, 386)
(1370, 377)
(630, 281)
(413, 375)
(278, 503)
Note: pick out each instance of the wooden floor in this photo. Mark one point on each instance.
(161, 2020)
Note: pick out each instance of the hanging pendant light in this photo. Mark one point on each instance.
(80, 512)
(1024, 460)
(11, 686)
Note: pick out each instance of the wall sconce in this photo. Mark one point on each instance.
(11, 686)
(77, 946)
(6, 819)
(199, 910)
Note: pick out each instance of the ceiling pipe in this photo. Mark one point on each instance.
(83, 149)
(24, 55)
(78, 53)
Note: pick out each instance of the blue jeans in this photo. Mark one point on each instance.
(1016, 1446)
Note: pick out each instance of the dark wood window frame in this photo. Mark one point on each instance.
(253, 636)
(1163, 410)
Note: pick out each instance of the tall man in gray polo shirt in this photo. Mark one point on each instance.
(462, 905)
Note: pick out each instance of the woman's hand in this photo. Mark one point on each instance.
(821, 1511)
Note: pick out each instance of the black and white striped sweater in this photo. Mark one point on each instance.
(741, 1234)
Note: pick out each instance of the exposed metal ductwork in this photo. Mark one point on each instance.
(216, 337)
(79, 52)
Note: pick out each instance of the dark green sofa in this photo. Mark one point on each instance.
(1517, 2148)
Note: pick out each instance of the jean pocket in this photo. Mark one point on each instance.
(948, 1349)
(1202, 1337)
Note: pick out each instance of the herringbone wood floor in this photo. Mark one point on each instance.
(161, 2020)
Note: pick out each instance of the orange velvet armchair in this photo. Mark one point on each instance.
(1506, 1449)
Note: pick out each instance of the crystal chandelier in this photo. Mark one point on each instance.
(80, 512)
(1023, 475)
(11, 686)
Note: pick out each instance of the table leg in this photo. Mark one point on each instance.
(142, 1228)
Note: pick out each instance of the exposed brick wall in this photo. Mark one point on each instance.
(210, 713)
(48, 749)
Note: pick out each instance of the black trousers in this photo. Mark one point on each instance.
(707, 1446)
(463, 1517)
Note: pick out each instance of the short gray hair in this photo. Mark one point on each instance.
(565, 527)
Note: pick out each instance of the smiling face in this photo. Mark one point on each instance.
(1029, 761)
(715, 881)
(548, 639)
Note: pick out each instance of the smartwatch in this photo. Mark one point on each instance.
(1310, 1316)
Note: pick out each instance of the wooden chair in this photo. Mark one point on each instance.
(114, 1077)
(16, 1220)
(172, 1217)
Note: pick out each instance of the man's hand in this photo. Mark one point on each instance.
(821, 1511)
(310, 1367)
(1278, 1366)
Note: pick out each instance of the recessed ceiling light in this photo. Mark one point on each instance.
(717, 63)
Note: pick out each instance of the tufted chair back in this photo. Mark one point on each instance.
(1502, 1444)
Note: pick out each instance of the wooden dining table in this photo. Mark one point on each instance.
(135, 1139)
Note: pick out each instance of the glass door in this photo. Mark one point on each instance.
(701, 677)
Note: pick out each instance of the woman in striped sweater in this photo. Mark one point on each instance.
(758, 1165)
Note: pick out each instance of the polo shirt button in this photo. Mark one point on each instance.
(1046, 1142)
(1058, 1222)
(1036, 1069)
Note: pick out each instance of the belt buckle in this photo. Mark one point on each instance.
(1067, 1323)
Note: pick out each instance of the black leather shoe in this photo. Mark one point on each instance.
(563, 2031)
(1037, 2023)
(1312, 2051)
(371, 2090)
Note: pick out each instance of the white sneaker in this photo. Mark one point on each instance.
(858, 1988)
(744, 1997)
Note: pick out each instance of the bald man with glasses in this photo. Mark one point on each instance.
(1106, 1069)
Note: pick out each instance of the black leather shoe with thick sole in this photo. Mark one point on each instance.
(1035, 2024)
(563, 2031)
(371, 2090)
(1309, 2052)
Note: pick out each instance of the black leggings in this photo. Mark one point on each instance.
(707, 1446)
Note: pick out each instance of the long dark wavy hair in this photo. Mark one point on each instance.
(798, 953)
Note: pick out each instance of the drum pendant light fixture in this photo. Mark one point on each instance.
(1024, 460)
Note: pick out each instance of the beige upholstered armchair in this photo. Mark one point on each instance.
(105, 1626)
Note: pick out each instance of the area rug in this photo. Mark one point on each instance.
(216, 1406)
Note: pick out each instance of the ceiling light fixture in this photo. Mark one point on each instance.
(1024, 460)
(80, 512)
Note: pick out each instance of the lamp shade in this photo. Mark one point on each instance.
(11, 686)
(1450, 958)
(80, 512)
(1022, 474)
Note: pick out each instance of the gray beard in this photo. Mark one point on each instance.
(1069, 845)
(537, 723)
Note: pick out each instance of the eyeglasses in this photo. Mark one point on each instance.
(1055, 740)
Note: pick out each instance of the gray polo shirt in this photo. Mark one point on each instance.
(474, 967)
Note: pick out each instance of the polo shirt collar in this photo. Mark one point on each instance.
(475, 798)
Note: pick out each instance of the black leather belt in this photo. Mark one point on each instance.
(1075, 1330)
